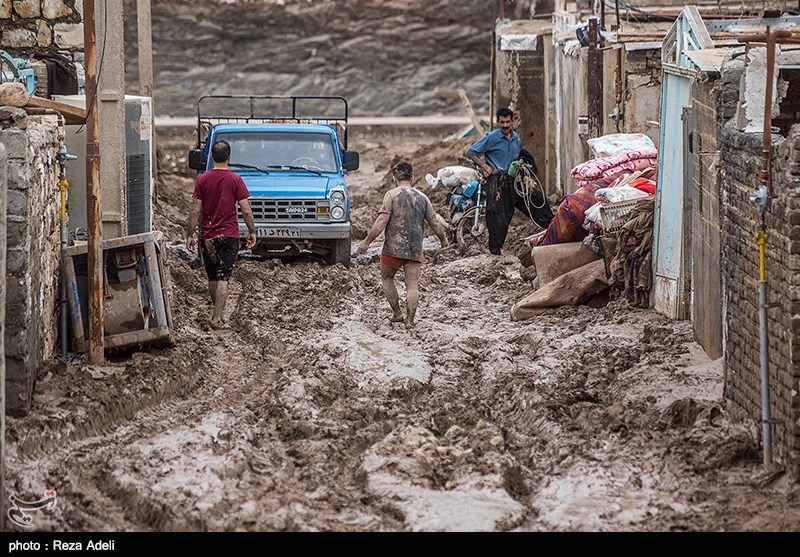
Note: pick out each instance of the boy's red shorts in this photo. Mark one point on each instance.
(395, 262)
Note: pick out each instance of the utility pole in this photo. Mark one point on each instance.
(595, 80)
(144, 29)
(93, 222)
(145, 41)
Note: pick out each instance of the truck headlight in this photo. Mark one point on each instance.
(337, 198)
(337, 212)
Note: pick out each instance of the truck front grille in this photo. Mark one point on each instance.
(288, 210)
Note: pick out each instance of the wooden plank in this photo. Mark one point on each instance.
(472, 116)
(72, 114)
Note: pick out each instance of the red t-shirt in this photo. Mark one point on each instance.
(220, 191)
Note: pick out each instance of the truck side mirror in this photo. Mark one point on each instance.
(351, 160)
(196, 159)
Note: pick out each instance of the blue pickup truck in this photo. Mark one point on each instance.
(292, 153)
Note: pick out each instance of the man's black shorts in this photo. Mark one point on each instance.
(219, 256)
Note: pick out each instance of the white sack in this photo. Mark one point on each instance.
(451, 176)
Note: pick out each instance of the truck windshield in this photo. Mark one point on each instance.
(276, 150)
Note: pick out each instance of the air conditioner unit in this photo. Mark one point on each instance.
(137, 194)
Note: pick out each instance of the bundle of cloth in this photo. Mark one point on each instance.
(631, 267)
(591, 176)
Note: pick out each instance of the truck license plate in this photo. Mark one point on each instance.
(277, 233)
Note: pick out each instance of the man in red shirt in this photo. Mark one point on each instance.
(216, 193)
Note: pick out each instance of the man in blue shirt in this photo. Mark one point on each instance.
(494, 153)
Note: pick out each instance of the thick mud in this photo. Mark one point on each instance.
(312, 412)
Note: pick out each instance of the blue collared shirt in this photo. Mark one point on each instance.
(498, 151)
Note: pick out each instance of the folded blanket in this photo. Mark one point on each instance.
(611, 167)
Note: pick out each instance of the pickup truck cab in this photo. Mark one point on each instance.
(291, 152)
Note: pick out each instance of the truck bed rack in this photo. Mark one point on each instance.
(299, 109)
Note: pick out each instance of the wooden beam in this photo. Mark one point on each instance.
(472, 116)
(72, 114)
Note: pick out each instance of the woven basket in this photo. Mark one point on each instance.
(615, 215)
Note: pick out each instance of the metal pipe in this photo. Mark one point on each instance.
(766, 433)
(766, 173)
(62, 157)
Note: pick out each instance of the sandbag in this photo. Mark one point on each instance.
(552, 261)
(570, 289)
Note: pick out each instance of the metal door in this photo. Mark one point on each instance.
(673, 202)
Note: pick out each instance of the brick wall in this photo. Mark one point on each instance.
(740, 160)
(522, 86)
(529, 94)
(714, 101)
(32, 259)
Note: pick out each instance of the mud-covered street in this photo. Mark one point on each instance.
(312, 412)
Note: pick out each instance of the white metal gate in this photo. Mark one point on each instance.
(672, 226)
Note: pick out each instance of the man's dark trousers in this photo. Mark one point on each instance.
(501, 201)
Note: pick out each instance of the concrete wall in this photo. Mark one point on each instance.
(33, 247)
(522, 83)
(571, 102)
(631, 81)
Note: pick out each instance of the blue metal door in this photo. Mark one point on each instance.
(672, 196)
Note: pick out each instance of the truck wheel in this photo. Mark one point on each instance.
(340, 253)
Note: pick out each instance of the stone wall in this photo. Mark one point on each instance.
(33, 247)
(30, 25)
(740, 163)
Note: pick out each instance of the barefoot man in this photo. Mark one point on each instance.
(402, 216)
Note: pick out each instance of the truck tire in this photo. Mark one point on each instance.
(340, 252)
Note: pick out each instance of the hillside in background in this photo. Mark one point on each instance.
(387, 58)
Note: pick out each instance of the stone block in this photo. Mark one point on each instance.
(16, 142)
(20, 175)
(19, 387)
(17, 234)
(17, 203)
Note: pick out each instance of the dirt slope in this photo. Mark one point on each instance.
(386, 58)
(313, 413)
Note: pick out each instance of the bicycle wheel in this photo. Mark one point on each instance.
(470, 233)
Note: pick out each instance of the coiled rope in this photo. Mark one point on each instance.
(526, 183)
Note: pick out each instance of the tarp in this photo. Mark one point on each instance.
(570, 289)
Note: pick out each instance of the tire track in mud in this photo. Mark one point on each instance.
(313, 413)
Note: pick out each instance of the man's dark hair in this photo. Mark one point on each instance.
(504, 111)
(220, 151)
(402, 171)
